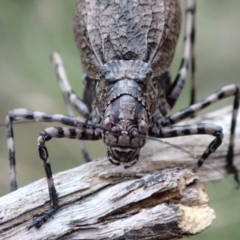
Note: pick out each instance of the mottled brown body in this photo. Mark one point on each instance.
(125, 47)
(142, 30)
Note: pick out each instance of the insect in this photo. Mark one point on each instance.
(126, 49)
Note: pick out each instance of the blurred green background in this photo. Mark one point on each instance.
(31, 30)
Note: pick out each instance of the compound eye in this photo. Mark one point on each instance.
(143, 127)
(134, 133)
(116, 131)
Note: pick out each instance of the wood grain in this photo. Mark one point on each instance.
(158, 198)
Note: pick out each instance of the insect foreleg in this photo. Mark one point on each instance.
(227, 91)
(201, 128)
(45, 135)
(177, 86)
(51, 188)
(26, 114)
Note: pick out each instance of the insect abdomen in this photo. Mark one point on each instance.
(128, 30)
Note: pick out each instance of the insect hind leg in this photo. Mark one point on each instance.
(193, 59)
(11, 150)
(70, 98)
(230, 155)
(188, 53)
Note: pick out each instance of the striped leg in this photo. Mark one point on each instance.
(227, 91)
(25, 114)
(193, 60)
(177, 86)
(70, 98)
(201, 128)
(46, 135)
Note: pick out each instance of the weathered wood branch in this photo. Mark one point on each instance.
(102, 201)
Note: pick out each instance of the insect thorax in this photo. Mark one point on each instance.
(126, 98)
(133, 78)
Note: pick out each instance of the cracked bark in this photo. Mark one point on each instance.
(102, 201)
